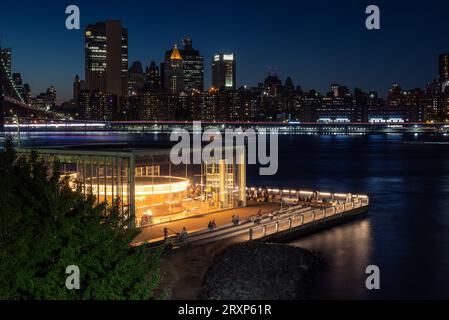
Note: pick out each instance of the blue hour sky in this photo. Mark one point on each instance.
(315, 42)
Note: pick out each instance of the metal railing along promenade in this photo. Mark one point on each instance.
(278, 221)
(298, 219)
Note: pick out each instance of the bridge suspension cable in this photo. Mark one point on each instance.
(9, 86)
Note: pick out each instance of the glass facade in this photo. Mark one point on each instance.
(106, 175)
(106, 57)
(147, 186)
(224, 71)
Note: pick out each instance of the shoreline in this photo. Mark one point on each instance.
(190, 270)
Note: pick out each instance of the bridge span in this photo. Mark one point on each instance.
(12, 101)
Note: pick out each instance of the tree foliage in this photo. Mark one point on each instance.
(46, 226)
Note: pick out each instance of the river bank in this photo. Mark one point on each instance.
(184, 269)
(262, 271)
(240, 271)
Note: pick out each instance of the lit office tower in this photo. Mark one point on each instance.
(444, 67)
(174, 72)
(5, 55)
(193, 66)
(51, 96)
(224, 71)
(106, 57)
(444, 71)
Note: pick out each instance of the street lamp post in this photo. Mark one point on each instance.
(16, 118)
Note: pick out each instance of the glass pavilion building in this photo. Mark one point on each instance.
(146, 185)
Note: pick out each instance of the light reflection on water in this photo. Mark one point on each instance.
(346, 250)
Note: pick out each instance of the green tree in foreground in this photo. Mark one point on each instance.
(45, 226)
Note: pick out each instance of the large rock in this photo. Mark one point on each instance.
(261, 271)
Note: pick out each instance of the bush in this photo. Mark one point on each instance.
(46, 226)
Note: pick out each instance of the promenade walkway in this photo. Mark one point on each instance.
(197, 223)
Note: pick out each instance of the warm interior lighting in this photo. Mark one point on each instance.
(145, 187)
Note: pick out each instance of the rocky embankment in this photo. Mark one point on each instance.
(261, 271)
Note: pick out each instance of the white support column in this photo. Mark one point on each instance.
(222, 183)
(132, 191)
(242, 175)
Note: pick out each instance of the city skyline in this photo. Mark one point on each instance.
(260, 46)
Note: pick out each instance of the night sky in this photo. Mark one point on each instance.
(316, 43)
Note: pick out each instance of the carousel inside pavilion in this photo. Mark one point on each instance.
(146, 185)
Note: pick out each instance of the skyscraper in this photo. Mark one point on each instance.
(444, 67)
(272, 84)
(78, 85)
(152, 78)
(224, 71)
(444, 71)
(193, 66)
(51, 95)
(174, 72)
(94, 105)
(136, 78)
(106, 57)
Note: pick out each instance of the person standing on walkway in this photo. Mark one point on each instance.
(165, 234)
(183, 235)
(259, 217)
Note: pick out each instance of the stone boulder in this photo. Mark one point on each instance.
(261, 271)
